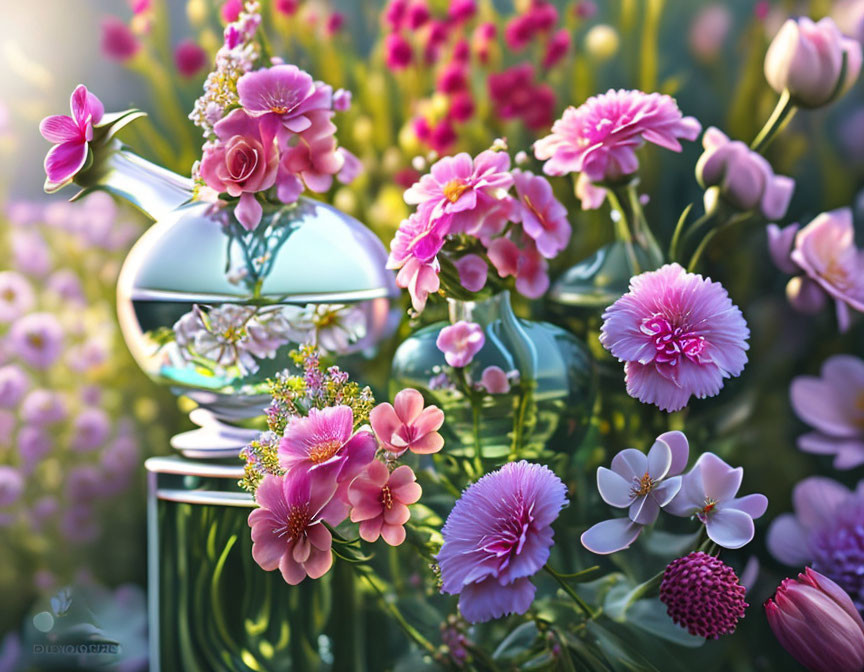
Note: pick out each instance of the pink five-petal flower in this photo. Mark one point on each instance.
(472, 272)
(460, 342)
(679, 334)
(825, 250)
(543, 217)
(288, 530)
(494, 380)
(833, 404)
(323, 441)
(380, 499)
(641, 483)
(600, 137)
(406, 425)
(462, 186)
(70, 136)
(708, 491)
(284, 93)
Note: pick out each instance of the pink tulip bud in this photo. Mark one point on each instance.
(816, 622)
(807, 59)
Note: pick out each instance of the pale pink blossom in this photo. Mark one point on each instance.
(380, 500)
(407, 425)
(460, 342)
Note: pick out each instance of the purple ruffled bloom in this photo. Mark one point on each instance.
(679, 334)
(37, 339)
(460, 342)
(16, 296)
(641, 483)
(825, 532)
(709, 492)
(497, 536)
(833, 404)
(14, 384)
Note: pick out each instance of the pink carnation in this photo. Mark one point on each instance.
(543, 217)
(380, 500)
(600, 137)
(679, 334)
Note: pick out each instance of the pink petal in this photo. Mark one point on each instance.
(611, 536)
(64, 161)
(319, 536)
(614, 489)
(720, 482)
(384, 422)
(430, 420)
(398, 514)
(318, 564)
(393, 534)
(753, 505)
(408, 404)
(59, 128)
(428, 444)
(404, 486)
(292, 572)
(680, 448)
(84, 104)
(370, 530)
(787, 541)
(730, 528)
(248, 211)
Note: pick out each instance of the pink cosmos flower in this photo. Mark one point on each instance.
(323, 441)
(37, 338)
(833, 404)
(420, 279)
(460, 342)
(118, 41)
(380, 500)
(825, 251)
(600, 137)
(407, 425)
(16, 296)
(745, 179)
(283, 93)
(462, 187)
(242, 163)
(189, 58)
(679, 334)
(542, 216)
(70, 135)
(288, 530)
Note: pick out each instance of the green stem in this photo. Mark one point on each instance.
(679, 230)
(622, 227)
(645, 589)
(782, 115)
(474, 401)
(582, 604)
(703, 245)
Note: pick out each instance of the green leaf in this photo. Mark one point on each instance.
(521, 639)
(651, 616)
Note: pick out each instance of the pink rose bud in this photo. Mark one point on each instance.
(745, 179)
(816, 622)
(807, 59)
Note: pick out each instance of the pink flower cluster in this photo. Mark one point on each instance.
(538, 21)
(517, 95)
(462, 197)
(281, 137)
(330, 473)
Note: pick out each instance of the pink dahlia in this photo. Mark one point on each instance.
(599, 138)
(70, 135)
(324, 439)
(679, 335)
(703, 595)
(498, 536)
(407, 425)
(288, 530)
(462, 187)
(380, 499)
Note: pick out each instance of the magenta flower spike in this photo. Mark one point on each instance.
(679, 335)
(498, 536)
(709, 492)
(641, 483)
(816, 622)
(831, 404)
(70, 135)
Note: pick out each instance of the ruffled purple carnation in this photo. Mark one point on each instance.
(497, 536)
(679, 335)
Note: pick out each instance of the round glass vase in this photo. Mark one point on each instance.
(550, 384)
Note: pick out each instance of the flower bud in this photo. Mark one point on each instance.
(807, 59)
(816, 622)
(805, 295)
(744, 178)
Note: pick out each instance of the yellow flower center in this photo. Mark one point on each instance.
(643, 486)
(387, 497)
(323, 451)
(454, 189)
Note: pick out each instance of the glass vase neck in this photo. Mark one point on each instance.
(482, 312)
(154, 190)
